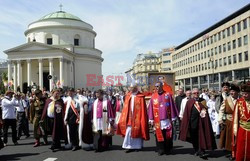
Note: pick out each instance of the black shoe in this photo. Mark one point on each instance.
(18, 138)
(231, 158)
(129, 150)
(203, 155)
(74, 148)
(197, 153)
(160, 152)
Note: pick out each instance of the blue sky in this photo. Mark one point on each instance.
(124, 28)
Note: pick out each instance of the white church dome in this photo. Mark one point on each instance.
(61, 28)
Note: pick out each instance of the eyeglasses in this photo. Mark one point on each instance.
(156, 86)
(195, 92)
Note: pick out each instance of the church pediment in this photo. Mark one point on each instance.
(31, 46)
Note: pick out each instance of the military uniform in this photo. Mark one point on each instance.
(36, 110)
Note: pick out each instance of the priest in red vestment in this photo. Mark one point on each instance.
(196, 126)
(241, 126)
(133, 123)
(162, 111)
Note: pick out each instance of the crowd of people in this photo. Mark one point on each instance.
(88, 119)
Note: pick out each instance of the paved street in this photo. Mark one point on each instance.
(26, 152)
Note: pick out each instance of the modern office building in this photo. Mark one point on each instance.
(166, 57)
(219, 53)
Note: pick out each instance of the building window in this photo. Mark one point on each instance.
(245, 40)
(76, 42)
(201, 55)
(208, 53)
(234, 58)
(240, 57)
(198, 56)
(229, 60)
(224, 47)
(212, 52)
(211, 40)
(245, 24)
(220, 62)
(229, 46)
(225, 61)
(49, 41)
(219, 36)
(239, 42)
(205, 55)
(228, 31)
(215, 38)
(220, 49)
(233, 29)
(215, 50)
(239, 27)
(216, 63)
(234, 44)
(246, 55)
(224, 34)
(204, 43)
(205, 66)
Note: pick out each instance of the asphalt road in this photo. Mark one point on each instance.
(26, 152)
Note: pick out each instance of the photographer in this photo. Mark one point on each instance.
(9, 116)
(22, 116)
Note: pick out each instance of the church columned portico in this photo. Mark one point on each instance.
(17, 69)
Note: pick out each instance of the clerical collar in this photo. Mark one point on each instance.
(160, 93)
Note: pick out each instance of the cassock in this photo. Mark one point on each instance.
(72, 118)
(54, 111)
(162, 111)
(85, 128)
(133, 123)
(196, 126)
(241, 130)
(103, 117)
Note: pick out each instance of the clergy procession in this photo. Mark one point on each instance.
(84, 119)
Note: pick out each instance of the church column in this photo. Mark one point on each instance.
(29, 72)
(19, 75)
(15, 78)
(40, 73)
(51, 68)
(9, 72)
(66, 75)
(61, 70)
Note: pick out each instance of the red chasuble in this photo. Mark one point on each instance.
(139, 121)
(241, 131)
(156, 113)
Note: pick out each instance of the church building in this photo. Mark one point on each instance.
(59, 51)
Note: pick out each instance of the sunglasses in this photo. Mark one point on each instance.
(195, 92)
(157, 86)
